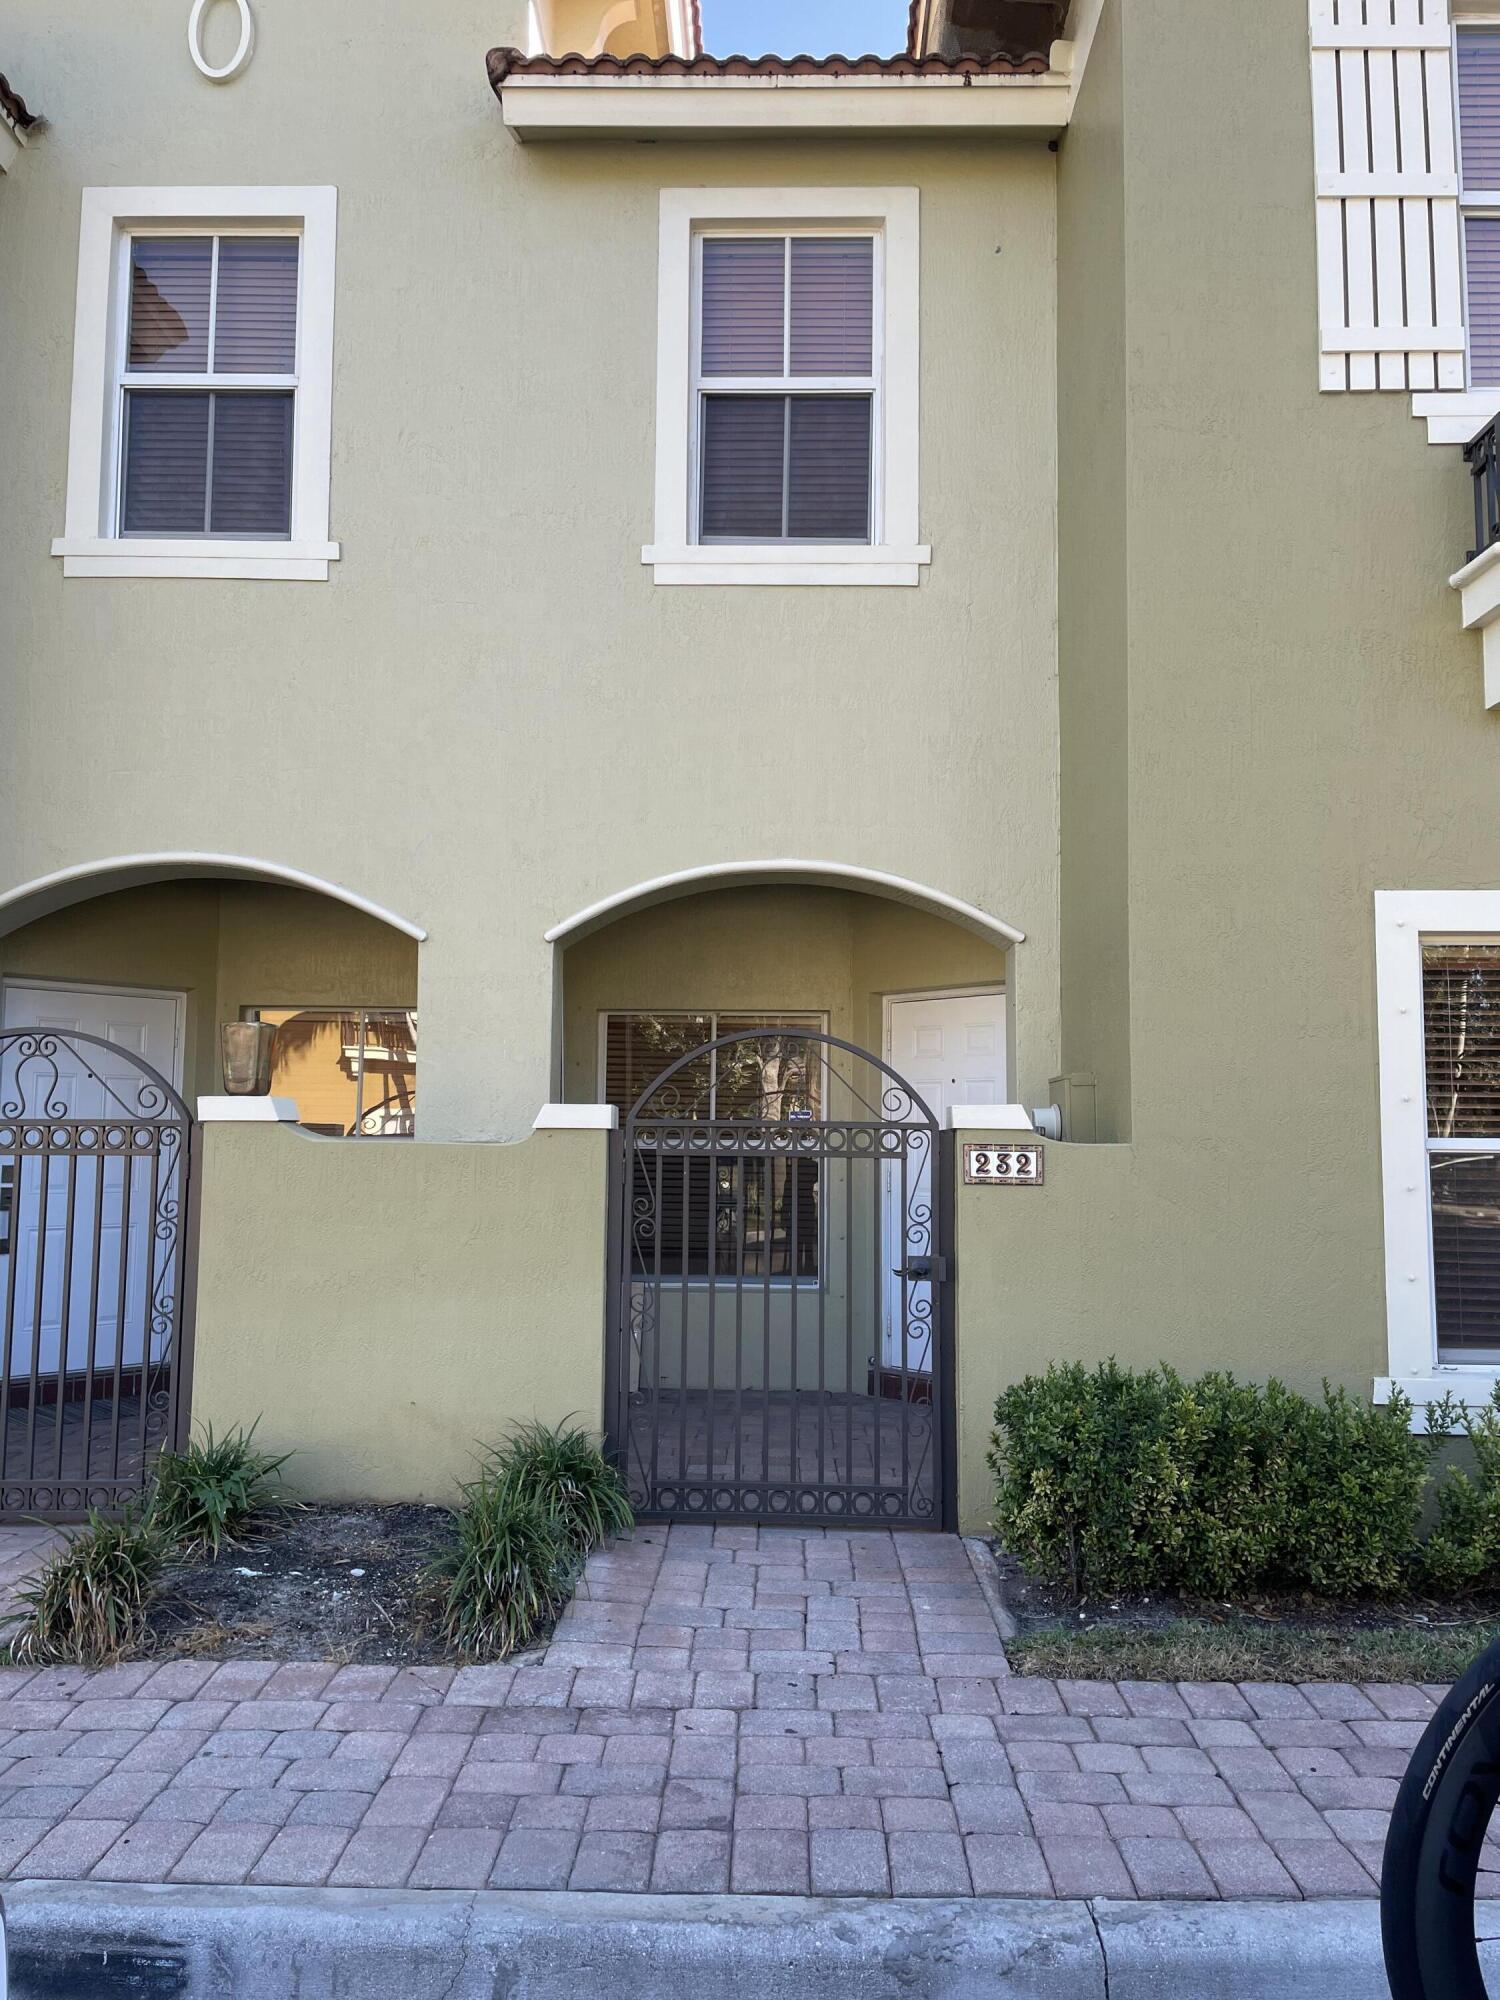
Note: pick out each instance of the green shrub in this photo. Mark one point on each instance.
(511, 1569)
(209, 1494)
(1463, 1550)
(87, 1603)
(1123, 1481)
(1358, 1476)
(562, 1470)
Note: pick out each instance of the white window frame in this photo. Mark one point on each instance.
(893, 555)
(90, 545)
(1404, 920)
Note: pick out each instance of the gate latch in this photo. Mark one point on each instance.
(932, 1270)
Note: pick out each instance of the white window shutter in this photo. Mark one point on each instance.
(1390, 294)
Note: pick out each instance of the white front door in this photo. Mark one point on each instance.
(950, 1048)
(91, 1082)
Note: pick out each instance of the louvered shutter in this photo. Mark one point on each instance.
(1390, 293)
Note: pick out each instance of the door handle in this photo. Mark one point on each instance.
(922, 1270)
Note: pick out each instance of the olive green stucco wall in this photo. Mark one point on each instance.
(384, 1307)
(490, 717)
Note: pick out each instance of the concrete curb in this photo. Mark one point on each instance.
(88, 1941)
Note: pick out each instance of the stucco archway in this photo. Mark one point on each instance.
(47, 893)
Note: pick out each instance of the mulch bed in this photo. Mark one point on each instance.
(353, 1584)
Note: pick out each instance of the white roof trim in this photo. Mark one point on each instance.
(823, 874)
(132, 871)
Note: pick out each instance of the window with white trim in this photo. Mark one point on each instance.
(787, 448)
(1438, 992)
(202, 389)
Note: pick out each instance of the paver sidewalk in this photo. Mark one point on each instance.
(749, 1710)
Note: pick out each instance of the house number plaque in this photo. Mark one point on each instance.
(1003, 1166)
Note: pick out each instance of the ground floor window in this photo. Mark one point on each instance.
(1461, 1047)
(720, 1217)
(1438, 993)
(352, 1071)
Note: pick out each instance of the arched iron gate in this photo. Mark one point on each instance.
(95, 1157)
(779, 1339)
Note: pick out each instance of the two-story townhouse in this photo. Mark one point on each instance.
(700, 634)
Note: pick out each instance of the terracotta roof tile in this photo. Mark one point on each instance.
(503, 63)
(13, 104)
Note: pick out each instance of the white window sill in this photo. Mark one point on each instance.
(778, 563)
(274, 562)
(1471, 1384)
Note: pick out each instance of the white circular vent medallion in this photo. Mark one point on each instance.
(242, 53)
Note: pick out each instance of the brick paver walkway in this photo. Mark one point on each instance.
(725, 1708)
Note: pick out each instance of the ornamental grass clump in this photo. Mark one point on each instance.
(509, 1574)
(87, 1603)
(207, 1496)
(563, 1470)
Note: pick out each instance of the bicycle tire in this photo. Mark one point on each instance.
(1435, 1843)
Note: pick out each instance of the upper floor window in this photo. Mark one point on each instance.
(202, 384)
(787, 443)
(208, 383)
(787, 387)
(1479, 184)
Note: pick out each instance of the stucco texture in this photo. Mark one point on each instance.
(386, 1308)
(490, 717)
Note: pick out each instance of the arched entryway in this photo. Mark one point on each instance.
(779, 1344)
(114, 982)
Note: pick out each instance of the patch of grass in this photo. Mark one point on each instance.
(207, 1496)
(511, 1570)
(562, 1469)
(1193, 1649)
(87, 1603)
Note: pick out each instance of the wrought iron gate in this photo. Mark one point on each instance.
(95, 1157)
(779, 1345)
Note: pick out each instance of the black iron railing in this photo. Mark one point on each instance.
(1482, 456)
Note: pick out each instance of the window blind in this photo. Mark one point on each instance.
(255, 320)
(1461, 1030)
(171, 284)
(778, 462)
(832, 305)
(215, 460)
(744, 305)
(698, 1218)
(1479, 107)
(1482, 270)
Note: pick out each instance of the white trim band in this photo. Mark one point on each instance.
(990, 1118)
(247, 1111)
(576, 1118)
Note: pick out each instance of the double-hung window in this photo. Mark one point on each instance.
(202, 384)
(208, 385)
(787, 345)
(787, 387)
